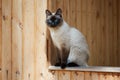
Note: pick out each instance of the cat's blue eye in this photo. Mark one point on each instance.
(49, 21)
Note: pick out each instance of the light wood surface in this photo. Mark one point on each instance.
(6, 40)
(0, 34)
(72, 74)
(17, 27)
(0, 38)
(26, 50)
(90, 69)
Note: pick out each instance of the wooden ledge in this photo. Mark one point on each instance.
(90, 69)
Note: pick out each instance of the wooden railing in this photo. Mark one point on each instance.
(89, 73)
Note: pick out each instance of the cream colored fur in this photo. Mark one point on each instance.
(73, 40)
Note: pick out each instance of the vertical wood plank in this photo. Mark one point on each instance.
(67, 11)
(49, 4)
(79, 14)
(41, 56)
(17, 39)
(101, 76)
(28, 40)
(0, 34)
(0, 39)
(84, 17)
(77, 75)
(109, 76)
(89, 29)
(94, 76)
(54, 5)
(6, 39)
(103, 32)
(93, 32)
(107, 32)
(111, 33)
(64, 75)
(1, 75)
(59, 4)
(115, 35)
(55, 75)
(88, 76)
(98, 30)
(42, 61)
(118, 20)
(116, 76)
(72, 11)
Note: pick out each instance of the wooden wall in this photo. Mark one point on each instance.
(23, 33)
(72, 75)
(0, 38)
(23, 40)
(118, 20)
(99, 21)
(24, 48)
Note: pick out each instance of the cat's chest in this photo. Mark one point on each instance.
(60, 39)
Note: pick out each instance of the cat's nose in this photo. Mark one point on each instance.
(53, 18)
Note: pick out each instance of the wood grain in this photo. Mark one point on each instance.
(115, 35)
(118, 20)
(94, 76)
(78, 15)
(88, 69)
(42, 61)
(88, 76)
(1, 75)
(89, 29)
(77, 75)
(1, 38)
(41, 55)
(64, 75)
(103, 36)
(55, 75)
(28, 40)
(26, 50)
(6, 40)
(102, 76)
(109, 76)
(17, 27)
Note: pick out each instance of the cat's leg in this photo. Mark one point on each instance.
(58, 61)
(77, 56)
(72, 64)
(58, 58)
(64, 56)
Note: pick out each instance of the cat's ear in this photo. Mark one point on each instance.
(59, 11)
(48, 13)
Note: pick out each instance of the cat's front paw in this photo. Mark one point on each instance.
(72, 64)
(63, 65)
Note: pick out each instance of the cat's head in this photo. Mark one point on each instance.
(54, 19)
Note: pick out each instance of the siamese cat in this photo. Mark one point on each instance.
(70, 42)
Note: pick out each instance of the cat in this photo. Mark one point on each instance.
(71, 43)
